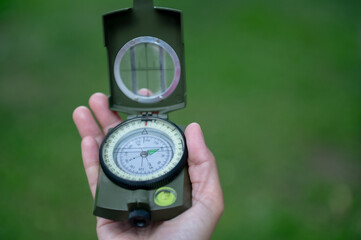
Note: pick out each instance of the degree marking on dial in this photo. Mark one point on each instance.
(150, 165)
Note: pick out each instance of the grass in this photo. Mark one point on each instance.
(274, 85)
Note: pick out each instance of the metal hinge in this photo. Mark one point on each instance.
(149, 114)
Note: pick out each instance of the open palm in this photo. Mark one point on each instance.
(198, 222)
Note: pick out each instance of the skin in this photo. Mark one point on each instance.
(198, 222)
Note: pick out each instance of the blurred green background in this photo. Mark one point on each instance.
(275, 86)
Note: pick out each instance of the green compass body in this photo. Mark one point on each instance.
(144, 174)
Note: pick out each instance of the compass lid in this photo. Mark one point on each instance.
(146, 59)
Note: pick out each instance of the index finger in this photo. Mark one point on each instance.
(98, 102)
(86, 124)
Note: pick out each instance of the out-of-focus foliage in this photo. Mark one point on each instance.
(274, 84)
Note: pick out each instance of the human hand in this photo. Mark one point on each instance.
(198, 222)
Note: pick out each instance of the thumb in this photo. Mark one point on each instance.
(198, 151)
(203, 174)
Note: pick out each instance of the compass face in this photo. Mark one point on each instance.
(142, 153)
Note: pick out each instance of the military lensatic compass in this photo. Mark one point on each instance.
(144, 175)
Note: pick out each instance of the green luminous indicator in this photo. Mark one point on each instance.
(150, 152)
(165, 196)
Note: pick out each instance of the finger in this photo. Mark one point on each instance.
(203, 172)
(86, 124)
(90, 151)
(145, 92)
(98, 102)
(198, 151)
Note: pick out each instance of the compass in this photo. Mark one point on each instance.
(144, 173)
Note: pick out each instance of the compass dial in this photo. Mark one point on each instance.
(140, 154)
(143, 153)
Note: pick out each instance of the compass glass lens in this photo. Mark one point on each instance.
(147, 69)
(139, 150)
(143, 152)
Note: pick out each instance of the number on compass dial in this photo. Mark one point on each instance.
(142, 153)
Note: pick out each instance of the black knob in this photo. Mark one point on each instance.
(139, 218)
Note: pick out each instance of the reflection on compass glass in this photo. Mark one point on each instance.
(149, 66)
(143, 153)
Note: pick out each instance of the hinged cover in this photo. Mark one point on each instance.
(146, 59)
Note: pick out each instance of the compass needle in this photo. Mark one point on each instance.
(150, 152)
